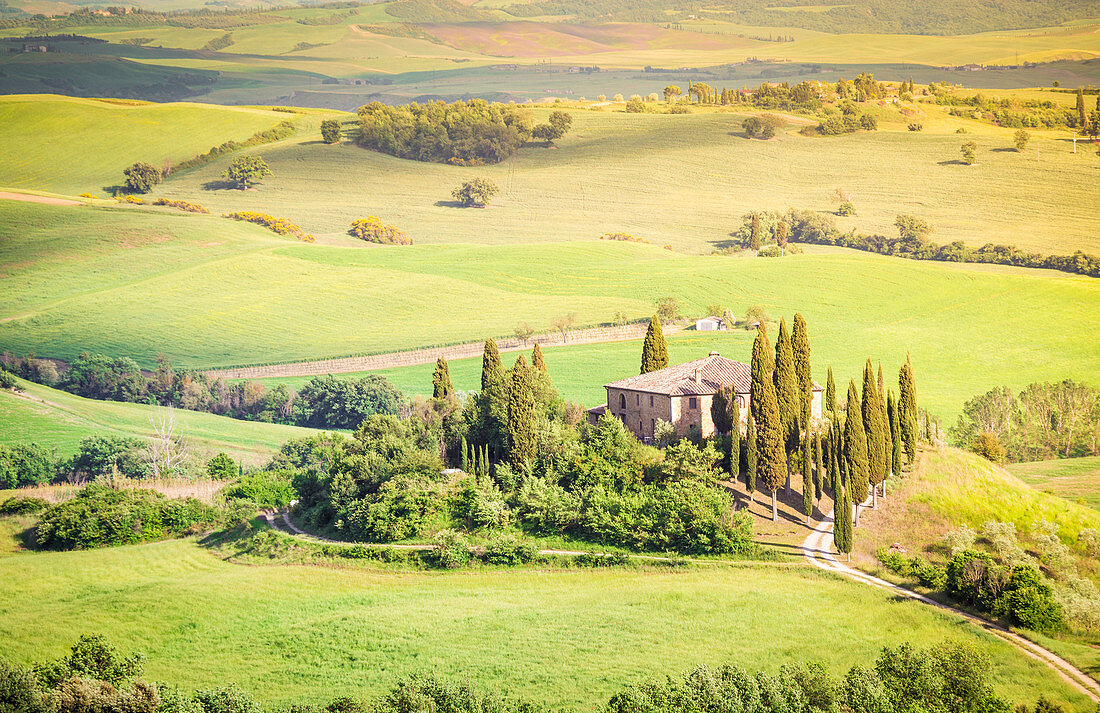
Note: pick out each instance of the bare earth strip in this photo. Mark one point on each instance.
(818, 548)
(428, 355)
(30, 198)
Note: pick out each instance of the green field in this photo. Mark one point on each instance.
(686, 180)
(565, 638)
(60, 420)
(968, 327)
(66, 145)
(1075, 479)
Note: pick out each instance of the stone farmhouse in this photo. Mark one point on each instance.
(682, 396)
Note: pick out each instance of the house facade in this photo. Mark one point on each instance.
(681, 395)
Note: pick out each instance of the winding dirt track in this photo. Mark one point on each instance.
(818, 547)
(31, 198)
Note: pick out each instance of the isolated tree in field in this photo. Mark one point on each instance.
(563, 324)
(522, 414)
(671, 92)
(247, 171)
(538, 361)
(855, 450)
(772, 457)
(330, 131)
(654, 349)
(895, 435)
(807, 473)
(1020, 138)
(786, 387)
(751, 460)
(554, 129)
(524, 332)
(969, 152)
(475, 193)
(907, 410)
(875, 427)
(912, 229)
(830, 392)
(800, 344)
(141, 177)
(442, 388)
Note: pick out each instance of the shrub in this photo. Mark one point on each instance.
(770, 251)
(452, 550)
(988, 446)
(141, 177)
(475, 193)
(916, 126)
(373, 230)
(868, 122)
(617, 98)
(635, 106)
(509, 549)
(27, 464)
(23, 506)
(86, 195)
(329, 402)
(330, 131)
(129, 199)
(282, 226)
(1089, 539)
(1020, 139)
(229, 699)
(679, 109)
(969, 150)
(181, 205)
(846, 208)
(8, 380)
(622, 237)
(265, 488)
(109, 455)
(282, 130)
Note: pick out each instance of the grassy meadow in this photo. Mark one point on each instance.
(69, 145)
(60, 420)
(1076, 479)
(563, 638)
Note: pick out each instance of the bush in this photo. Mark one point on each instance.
(635, 106)
(328, 402)
(141, 177)
(108, 455)
(181, 205)
(622, 237)
(23, 506)
(102, 517)
(770, 251)
(452, 550)
(27, 464)
(282, 226)
(846, 208)
(330, 131)
(282, 130)
(8, 380)
(475, 193)
(916, 126)
(229, 699)
(988, 446)
(222, 467)
(265, 488)
(509, 549)
(373, 230)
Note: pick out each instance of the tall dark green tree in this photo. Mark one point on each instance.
(522, 415)
(537, 360)
(442, 388)
(491, 367)
(772, 456)
(800, 345)
(807, 472)
(786, 387)
(875, 426)
(1082, 117)
(751, 460)
(842, 518)
(881, 386)
(733, 446)
(654, 349)
(895, 436)
(492, 402)
(819, 467)
(722, 405)
(907, 410)
(855, 450)
(762, 365)
(830, 392)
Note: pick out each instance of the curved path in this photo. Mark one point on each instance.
(818, 547)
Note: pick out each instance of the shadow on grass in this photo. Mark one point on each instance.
(953, 162)
(220, 185)
(454, 204)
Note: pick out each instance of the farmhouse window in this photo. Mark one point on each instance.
(651, 399)
(637, 399)
(622, 401)
(693, 402)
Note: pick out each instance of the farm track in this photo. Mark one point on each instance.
(32, 198)
(817, 548)
(412, 357)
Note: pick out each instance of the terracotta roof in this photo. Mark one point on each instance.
(694, 378)
(714, 372)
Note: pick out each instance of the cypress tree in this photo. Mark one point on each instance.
(537, 360)
(521, 415)
(786, 387)
(1082, 118)
(756, 233)
(881, 386)
(442, 388)
(750, 457)
(819, 468)
(491, 367)
(722, 407)
(907, 410)
(875, 426)
(465, 456)
(842, 519)
(492, 401)
(772, 458)
(855, 450)
(654, 349)
(800, 345)
(734, 444)
(830, 392)
(807, 474)
(762, 365)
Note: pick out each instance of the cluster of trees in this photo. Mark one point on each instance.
(29, 464)
(807, 226)
(469, 133)
(850, 119)
(535, 469)
(1014, 112)
(323, 402)
(1043, 421)
(949, 677)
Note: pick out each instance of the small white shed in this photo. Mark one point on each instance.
(709, 324)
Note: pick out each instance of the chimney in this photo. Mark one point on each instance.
(697, 381)
(714, 353)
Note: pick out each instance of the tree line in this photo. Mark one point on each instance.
(760, 228)
(950, 677)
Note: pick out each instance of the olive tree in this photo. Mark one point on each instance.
(475, 193)
(141, 177)
(247, 171)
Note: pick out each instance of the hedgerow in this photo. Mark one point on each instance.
(282, 130)
(181, 205)
(282, 226)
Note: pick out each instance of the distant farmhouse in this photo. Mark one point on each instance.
(681, 395)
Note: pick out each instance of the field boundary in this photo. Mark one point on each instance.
(817, 548)
(427, 355)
